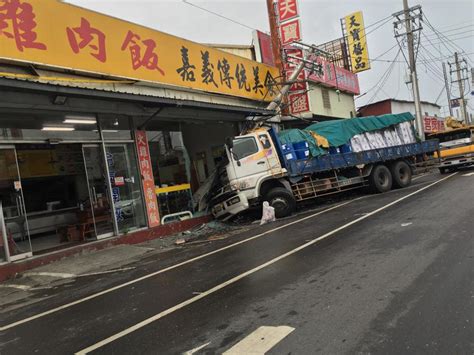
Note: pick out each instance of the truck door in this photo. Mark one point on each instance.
(256, 156)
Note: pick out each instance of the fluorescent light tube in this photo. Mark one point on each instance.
(77, 121)
(58, 129)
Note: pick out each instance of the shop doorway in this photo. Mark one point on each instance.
(97, 213)
(15, 235)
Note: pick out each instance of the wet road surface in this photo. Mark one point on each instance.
(390, 273)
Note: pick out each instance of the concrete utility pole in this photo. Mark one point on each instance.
(414, 76)
(276, 48)
(460, 80)
(448, 92)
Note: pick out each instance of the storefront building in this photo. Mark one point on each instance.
(89, 150)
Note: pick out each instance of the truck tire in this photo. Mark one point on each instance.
(380, 179)
(401, 174)
(443, 170)
(282, 201)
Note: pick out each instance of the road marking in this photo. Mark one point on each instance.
(18, 287)
(131, 282)
(247, 273)
(59, 275)
(195, 350)
(406, 224)
(468, 174)
(260, 341)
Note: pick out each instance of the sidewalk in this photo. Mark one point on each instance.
(163, 232)
(20, 288)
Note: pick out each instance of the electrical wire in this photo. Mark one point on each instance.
(218, 15)
(444, 40)
(382, 79)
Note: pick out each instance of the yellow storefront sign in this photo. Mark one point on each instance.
(357, 41)
(52, 33)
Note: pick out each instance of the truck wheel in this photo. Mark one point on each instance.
(282, 201)
(380, 179)
(443, 170)
(401, 174)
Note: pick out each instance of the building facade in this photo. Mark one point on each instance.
(101, 139)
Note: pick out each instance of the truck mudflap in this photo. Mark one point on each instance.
(231, 206)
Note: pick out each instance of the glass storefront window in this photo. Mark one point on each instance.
(171, 170)
(115, 128)
(126, 187)
(47, 128)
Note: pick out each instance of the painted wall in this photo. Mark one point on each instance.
(426, 108)
(341, 104)
(378, 108)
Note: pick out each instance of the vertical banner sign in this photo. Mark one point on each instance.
(290, 32)
(148, 181)
(287, 9)
(357, 42)
(299, 102)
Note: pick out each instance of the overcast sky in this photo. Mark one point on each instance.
(320, 23)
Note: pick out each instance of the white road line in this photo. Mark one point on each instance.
(59, 275)
(195, 350)
(468, 174)
(260, 341)
(131, 282)
(247, 273)
(18, 287)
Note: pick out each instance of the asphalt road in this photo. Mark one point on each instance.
(390, 273)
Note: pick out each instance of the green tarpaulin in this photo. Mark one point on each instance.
(341, 131)
(289, 136)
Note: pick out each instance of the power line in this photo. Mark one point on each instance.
(383, 78)
(444, 39)
(218, 15)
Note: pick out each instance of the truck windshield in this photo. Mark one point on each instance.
(243, 147)
(452, 136)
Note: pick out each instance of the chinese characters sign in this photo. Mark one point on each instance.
(56, 34)
(287, 9)
(433, 124)
(334, 76)
(290, 32)
(299, 103)
(357, 42)
(148, 182)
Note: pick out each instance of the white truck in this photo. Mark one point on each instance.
(258, 168)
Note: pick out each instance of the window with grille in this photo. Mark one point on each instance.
(326, 99)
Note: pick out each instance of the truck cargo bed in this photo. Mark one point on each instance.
(347, 160)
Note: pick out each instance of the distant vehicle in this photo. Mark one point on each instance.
(456, 147)
(260, 168)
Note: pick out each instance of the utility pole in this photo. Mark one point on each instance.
(414, 76)
(407, 19)
(460, 79)
(276, 48)
(448, 92)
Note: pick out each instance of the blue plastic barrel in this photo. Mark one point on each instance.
(301, 150)
(288, 152)
(334, 150)
(345, 148)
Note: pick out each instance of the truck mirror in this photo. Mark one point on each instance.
(229, 142)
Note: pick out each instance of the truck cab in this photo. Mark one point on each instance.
(456, 148)
(252, 159)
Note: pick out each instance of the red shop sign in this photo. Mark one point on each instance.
(148, 181)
